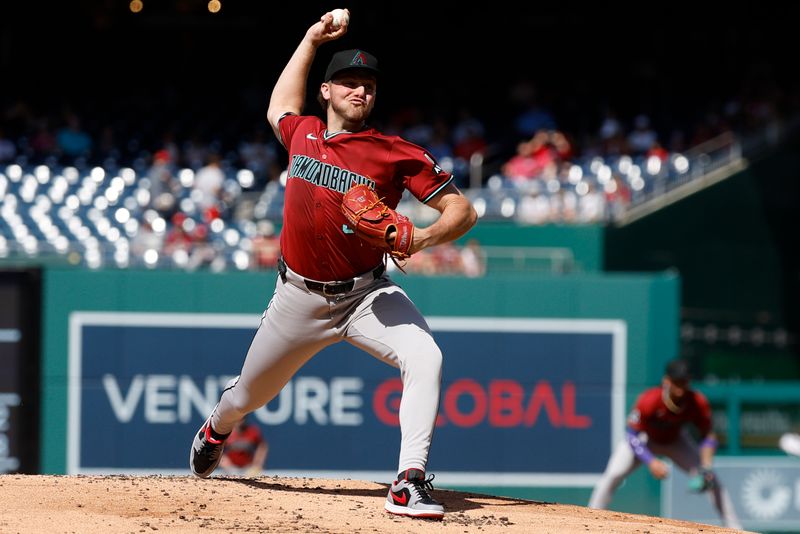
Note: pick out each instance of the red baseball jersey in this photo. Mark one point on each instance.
(315, 240)
(240, 447)
(651, 415)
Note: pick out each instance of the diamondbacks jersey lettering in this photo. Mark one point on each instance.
(325, 175)
(651, 415)
(321, 168)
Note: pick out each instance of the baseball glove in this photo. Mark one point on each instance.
(702, 481)
(373, 222)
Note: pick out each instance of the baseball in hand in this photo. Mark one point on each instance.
(340, 18)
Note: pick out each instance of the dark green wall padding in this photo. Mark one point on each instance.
(648, 303)
(586, 242)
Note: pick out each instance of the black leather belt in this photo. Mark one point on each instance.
(329, 289)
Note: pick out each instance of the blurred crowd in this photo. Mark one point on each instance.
(525, 141)
(448, 259)
(191, 181)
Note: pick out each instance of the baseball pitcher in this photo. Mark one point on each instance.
(657, 426)
(344, 182)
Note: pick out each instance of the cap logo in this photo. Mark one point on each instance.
(359, 58)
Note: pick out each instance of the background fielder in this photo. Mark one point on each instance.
(332, 285)
(245, 451)
(657, 425)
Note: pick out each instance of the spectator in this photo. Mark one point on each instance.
(563, 206)
(522, 167)
(195, 152)
(266, 246)
(610, 127)
(534, 119)
(534, 116)
(8, 150)
(178, 239)
(260, 156)
(534, 208)
(467, 128)
(418, 131)
(447, 259)
(71, 140)
(657, 151)
(541, 155)
(591, 206)
(202, 252)
(616, 145)
(468, 139)
(164, 187)
(642, 137)
(423, 262)
(439, 145)
(560, 146)
(170, 146)
(473, 259)
(208, 184)
(618, 196)
(146, 239)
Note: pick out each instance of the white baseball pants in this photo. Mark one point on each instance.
(376, 316)
(683, 452)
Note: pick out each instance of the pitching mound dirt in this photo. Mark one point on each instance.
(126, 504)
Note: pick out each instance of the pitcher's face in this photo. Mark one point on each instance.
(351, 95)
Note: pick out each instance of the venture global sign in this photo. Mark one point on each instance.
(519, 399)
(339, 401)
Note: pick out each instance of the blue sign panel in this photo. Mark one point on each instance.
(520, 398)
(764, 493)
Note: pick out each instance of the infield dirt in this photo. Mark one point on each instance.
(127, 504)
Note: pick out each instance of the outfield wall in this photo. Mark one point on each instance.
(538, 375)
(586, 242)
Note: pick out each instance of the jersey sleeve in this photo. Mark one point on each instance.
(420, 172)
(638, 414)
(702, 418)
(638, 447)
(288, 124)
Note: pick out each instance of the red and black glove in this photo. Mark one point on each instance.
(373, 222)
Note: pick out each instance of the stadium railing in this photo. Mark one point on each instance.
(737, 396)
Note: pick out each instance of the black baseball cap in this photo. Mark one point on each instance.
(678, 370)
(351, 59)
